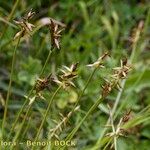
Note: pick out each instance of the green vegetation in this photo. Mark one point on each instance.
(75, 72)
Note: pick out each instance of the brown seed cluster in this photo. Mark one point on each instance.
(126, 117)
(67, 77)
(106, 89)
(55, 34)
(40, 85)
(119, 74)
(24, 24)
(122, 71)
(44, 83)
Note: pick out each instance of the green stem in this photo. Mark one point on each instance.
(131, 60)
(25, 129)
(31, 91)
(10, 17)
(107, 144)
(9, 86)
(46, 62)
(19, 113)
(92, 108)
(46, 113)
(41, 47)
(13, 10)
(21, 126)
(86, 85)
(115, 143)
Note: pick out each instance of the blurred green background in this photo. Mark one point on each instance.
(92, 27)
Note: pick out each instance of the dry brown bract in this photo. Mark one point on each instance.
(106, 89)
(99, 62)
(40, 85)
(119, 74)
(24, 24)
(44, 83)
(68, 75)
(55, 34)
(122, 71)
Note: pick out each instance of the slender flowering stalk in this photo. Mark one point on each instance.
(118, 130)
(95, 65)
(134, 39)
(72, 133)
(9, 86)
(46, 114)
(106, 88)
(98, 64)
(58, 128)
(29, 15)
(31, 100)
(25, 27)
(60, 125)
(21, 126)
(66, 82)
(38, 87)
(20, 34)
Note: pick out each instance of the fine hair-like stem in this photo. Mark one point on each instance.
(26, 100)
(46, 113)
(10, 83)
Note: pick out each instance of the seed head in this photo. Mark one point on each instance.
(29, 15)
(119, 74)
(42, 84)
(122, 71)
(106, 88)
(69, 73)
(126, 117)
(24, 25)
(55, 34)
(67, 77)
